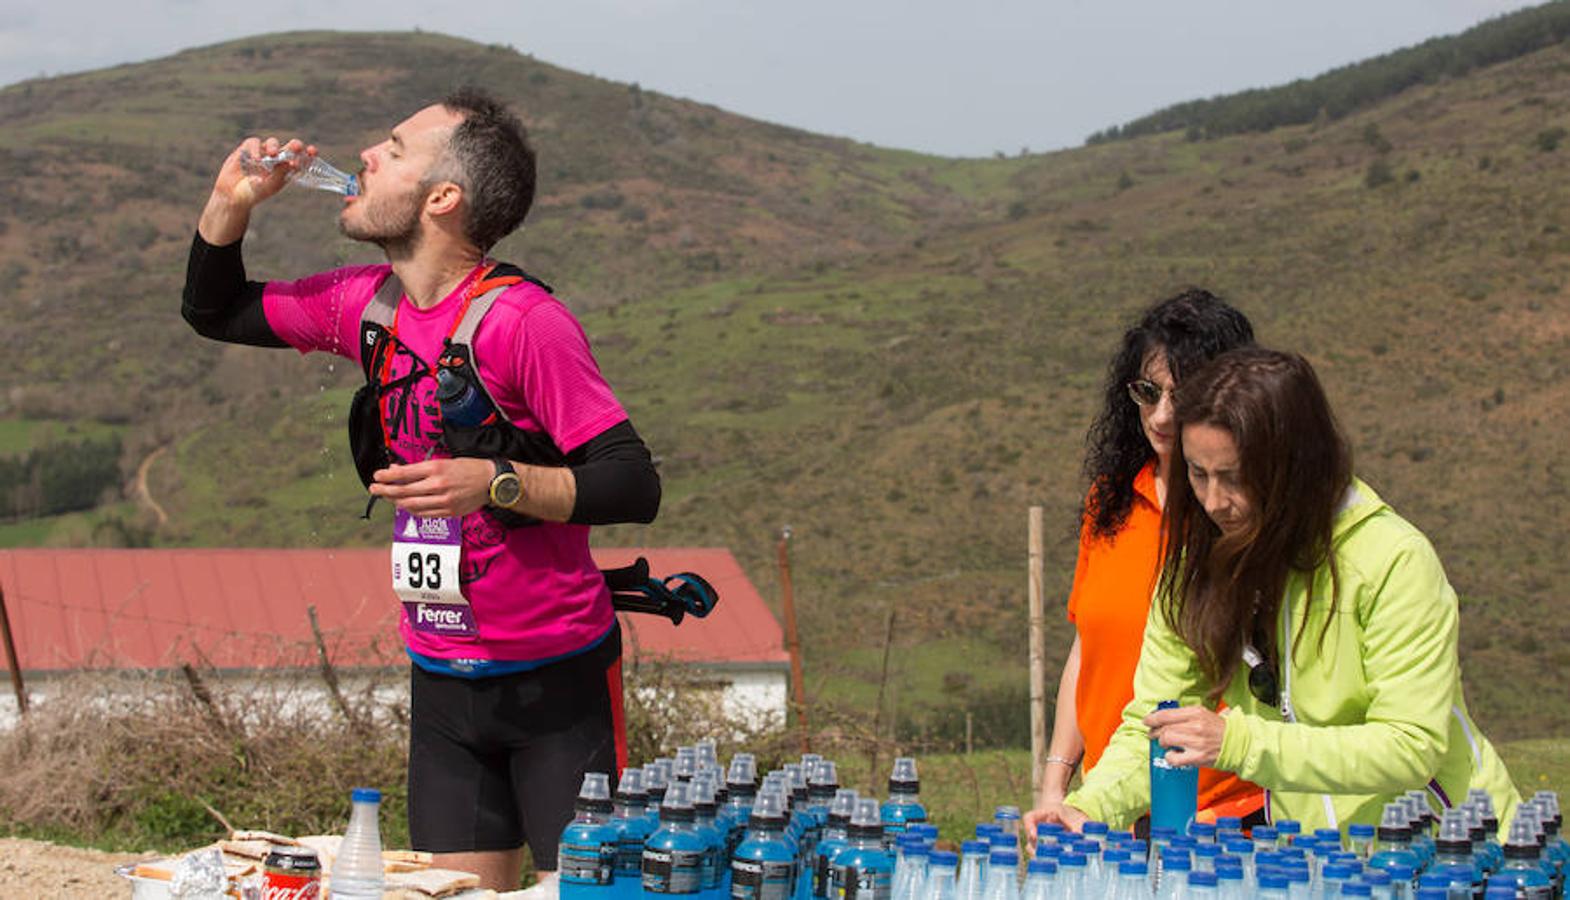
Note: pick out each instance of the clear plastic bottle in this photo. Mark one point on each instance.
(1007, 819)
(1133, 880)
(1453, 848)
(941, 884)
(741, 786)
(1203, 885)
(318, 173)
(1357, 889)
(586, 854)
(972, 870)
(357, 872)
(1360, 838)
(1172, 882)
(1041, 880)
(1272, 885)
(1287, 831)
(1333, 876)
(1230, 884)
(1002, 881)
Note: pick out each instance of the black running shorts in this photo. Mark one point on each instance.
(497, 762)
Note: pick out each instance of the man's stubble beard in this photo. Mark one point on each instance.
(393, 225)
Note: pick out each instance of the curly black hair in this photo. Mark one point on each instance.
(1190, 329)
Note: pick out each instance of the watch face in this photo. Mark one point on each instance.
(505, 490)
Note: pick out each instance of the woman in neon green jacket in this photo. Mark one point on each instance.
(1294, 594)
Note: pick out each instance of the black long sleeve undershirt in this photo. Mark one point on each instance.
(616, 479)
(614, 471)
(219, 303)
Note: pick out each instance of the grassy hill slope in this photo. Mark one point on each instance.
(902, 402)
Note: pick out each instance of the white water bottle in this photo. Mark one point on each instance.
(317, 173)
(357, 873)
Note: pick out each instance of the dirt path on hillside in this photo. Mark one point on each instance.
(143, 494)
(47, 871)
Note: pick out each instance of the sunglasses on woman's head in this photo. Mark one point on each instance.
(1145, 392)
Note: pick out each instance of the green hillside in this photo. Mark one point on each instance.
(906, 359)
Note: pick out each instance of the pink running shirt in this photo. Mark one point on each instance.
(535, 590)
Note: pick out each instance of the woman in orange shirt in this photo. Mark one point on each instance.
(1129, 463)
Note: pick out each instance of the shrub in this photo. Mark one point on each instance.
(1378, 174)
(1548, 139)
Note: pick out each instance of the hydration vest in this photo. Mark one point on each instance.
(495, 437)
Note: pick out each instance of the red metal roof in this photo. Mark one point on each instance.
(246, 609)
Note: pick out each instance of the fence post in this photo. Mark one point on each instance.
(1038, 664)
(792, 640)
(10, 658)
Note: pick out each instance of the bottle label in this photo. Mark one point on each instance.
(822, 878)
(673, 871)
(753, 879)
(588, 864)
(856, 883)
(629, 858)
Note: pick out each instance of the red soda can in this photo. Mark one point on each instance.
(291, 873)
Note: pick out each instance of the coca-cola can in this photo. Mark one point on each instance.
(291, 873)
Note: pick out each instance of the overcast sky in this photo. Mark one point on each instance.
(941, 76)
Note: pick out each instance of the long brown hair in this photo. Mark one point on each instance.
(1218, 591)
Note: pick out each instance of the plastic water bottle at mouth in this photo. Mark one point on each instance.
(318, 173)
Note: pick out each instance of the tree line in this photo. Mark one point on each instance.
(58, 478)
(1350, 88)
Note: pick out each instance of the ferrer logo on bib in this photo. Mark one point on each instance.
(425, 559)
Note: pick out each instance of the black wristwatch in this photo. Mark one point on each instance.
(506, 488)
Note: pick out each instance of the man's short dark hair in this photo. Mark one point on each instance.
(490, 158)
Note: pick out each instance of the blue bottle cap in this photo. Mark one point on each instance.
(943, 858)
(1273, 879)
(1434, 879)
(1239, 847)
(1401, 872)
(1433, 893)
(1097, 828)
(1340, 871)
(1298, 874)
(1360, 889)
(1115, 855)
(1041, 866)
(1328, 834)
(1229, 823)
(1208, 851)
(1163, 833)
(1360, 830)
(364, 795)
(1049, 828)
(1002, 840)
(1072, 860)
(1202, 830)
(1133, 867)
(1088, 848)
(1168, 704)
(1203, 878)
(1289, 826)
(1138, 847)
(925, 829)
(1376, 877)
(972, 847)
(1185, 842)
(1049, 849)
(1176, 861)
(1003, 858)
(1265, 833)
(987, 829)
